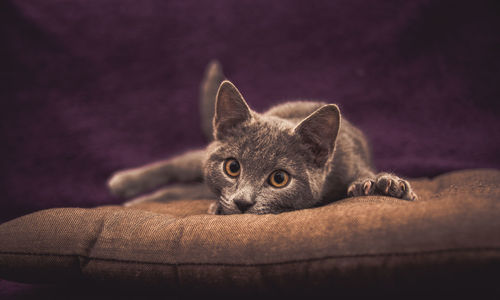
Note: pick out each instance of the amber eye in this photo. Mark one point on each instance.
(279, 178)
(232, 167)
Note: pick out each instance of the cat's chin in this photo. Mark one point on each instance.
(217, 209)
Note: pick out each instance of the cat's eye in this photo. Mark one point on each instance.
(279, 178)
(232, 167)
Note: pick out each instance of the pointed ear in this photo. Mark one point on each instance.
(319, 132)
(230, 109)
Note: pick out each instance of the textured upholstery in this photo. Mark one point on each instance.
(449, 236)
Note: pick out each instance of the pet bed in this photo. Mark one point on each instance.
(447, 240)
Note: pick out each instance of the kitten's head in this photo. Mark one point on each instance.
(263, 164)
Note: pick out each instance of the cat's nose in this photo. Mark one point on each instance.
(243, 204)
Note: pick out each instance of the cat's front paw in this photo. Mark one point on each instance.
(214, 209)
(124, 184)
(382, 184)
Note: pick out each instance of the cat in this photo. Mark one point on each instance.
(296, 155)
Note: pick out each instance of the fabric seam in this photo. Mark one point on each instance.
(401, 254)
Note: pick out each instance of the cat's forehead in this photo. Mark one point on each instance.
(264, 139)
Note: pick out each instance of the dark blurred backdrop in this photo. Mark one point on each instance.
(89, 86)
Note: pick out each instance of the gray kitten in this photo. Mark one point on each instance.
(295, 155)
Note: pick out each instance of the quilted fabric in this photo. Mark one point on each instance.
(450, 235)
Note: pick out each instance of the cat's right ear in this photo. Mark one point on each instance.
(230, 110)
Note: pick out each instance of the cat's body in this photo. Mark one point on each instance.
(296, 155)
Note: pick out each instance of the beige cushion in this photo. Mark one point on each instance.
(450, 235)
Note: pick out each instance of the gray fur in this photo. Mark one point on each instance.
(208, 93)
(326, 157)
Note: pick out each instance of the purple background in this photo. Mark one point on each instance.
(89, 86)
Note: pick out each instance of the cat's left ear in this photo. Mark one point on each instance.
(230, 109)
(319, 132)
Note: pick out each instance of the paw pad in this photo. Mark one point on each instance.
(382, 184)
